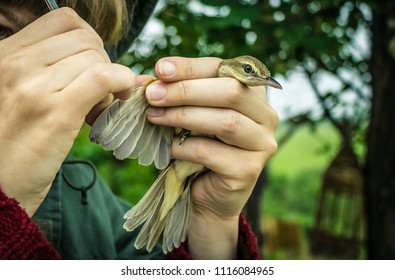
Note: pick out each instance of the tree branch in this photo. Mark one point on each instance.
(327, 112)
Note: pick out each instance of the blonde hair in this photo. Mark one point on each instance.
(109, 18)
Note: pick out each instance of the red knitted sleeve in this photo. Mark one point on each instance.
(20, 238)
(247, 247)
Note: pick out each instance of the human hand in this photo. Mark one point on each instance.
(54, 74)
(194, 98)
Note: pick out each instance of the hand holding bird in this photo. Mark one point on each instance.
(166, 208)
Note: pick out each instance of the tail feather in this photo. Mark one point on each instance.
(176, 180)
(145, 233)
(151, 200)
(155, 231)
(177, 222)
(187, 215)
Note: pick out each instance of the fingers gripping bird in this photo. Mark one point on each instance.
(124, 129)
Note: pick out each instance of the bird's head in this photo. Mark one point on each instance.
(248, 70)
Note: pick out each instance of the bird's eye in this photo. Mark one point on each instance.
(247, 68)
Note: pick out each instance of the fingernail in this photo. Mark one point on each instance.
(155, 92)
(166, 68)
(155, 111)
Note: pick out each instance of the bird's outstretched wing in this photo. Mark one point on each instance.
(124, 129)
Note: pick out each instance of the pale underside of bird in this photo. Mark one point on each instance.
(124, 129)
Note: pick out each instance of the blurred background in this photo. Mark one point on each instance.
(329, 192)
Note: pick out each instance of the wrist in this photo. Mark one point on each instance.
(30, 202)
(247, 248)
(213, 237)
(15, 224)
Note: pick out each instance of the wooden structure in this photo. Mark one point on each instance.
(338, 230)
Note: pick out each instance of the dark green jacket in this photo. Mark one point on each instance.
(87, 231)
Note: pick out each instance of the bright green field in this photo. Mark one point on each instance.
(295, 173)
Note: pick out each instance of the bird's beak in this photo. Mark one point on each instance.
(269, 81)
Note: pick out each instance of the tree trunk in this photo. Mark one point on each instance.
(380, 159)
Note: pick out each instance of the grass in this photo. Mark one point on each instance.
(291, 196)
(306, 150)
(295, 173)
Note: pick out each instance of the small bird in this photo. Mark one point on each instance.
(124, 129)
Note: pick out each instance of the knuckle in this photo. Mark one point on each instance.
(100, 74)
(12, 64)
(182, 90)
(274, 117)
(82, 35)
(93, 56)
(230, 122)
(271, 147)
(189, 69)
(186, 67)
(236, 91)
(252, 170)
(72, 21)
(88, 38)
(181, 115)
(68, 17)
(21, 90)
(20, 94)
(26, 99)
